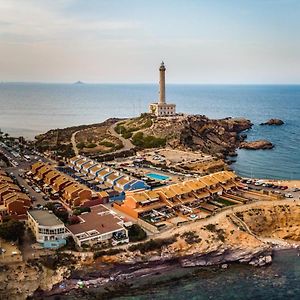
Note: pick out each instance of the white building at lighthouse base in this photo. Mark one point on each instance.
(162, 109)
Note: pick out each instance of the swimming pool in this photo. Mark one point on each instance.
(157, 176)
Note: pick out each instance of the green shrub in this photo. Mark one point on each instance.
(148, 141)
(211, 227)
(127, 135)
(12, 230)
(136, 233)
(191, 237)
(107, 144)
(80, 145)
(91, 145)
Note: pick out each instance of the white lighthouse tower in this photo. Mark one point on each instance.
(161, 108)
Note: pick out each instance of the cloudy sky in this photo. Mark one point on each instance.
(201, 41)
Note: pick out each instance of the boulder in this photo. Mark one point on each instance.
(256, 145)
(276, 122)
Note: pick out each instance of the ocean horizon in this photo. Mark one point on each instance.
(28, 109)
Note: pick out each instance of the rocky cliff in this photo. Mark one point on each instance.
(217, 137)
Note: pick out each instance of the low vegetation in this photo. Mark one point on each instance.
(191, 237)
(88, 137)
(127, 128)
(56, 260)
(149, 141)
(219, 232)
(152, 245)
(108, 252)
(12, 230)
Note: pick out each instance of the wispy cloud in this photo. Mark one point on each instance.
(34, 20)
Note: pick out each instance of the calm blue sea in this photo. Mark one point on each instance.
(28, 109)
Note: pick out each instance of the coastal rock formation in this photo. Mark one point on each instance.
(276, 122)
(255, 257)
(257, 145)
(197, 132)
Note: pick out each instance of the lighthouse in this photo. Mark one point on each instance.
(162, 83)
(162, 108)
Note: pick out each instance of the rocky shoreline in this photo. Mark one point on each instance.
(276, 122)
(257, 145)
(121, 274)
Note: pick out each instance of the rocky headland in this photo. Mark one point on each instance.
(218, 137)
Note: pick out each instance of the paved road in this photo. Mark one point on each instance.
(74, 145)
(24, 166)
(32, 193)
(127, 145)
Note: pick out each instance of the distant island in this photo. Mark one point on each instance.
(79, 82)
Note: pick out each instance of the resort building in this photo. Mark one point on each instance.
(43, 171)
(162, 108)
(75, 194)
(51, 176)
(105, 177)
(60, 183)
(7, 188)
(48, 230)
(212, 184)
(35, 167)
(65, 187)
(164, 201)
(13, 202)
(99, 226)
(138, 203)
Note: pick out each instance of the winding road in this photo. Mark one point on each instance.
(74, 145)
(127, 145)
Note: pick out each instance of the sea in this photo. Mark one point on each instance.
(28, 109)
(278, 281)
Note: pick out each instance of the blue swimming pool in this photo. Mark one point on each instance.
(157, 176)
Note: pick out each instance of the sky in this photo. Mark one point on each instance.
(124, 41)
